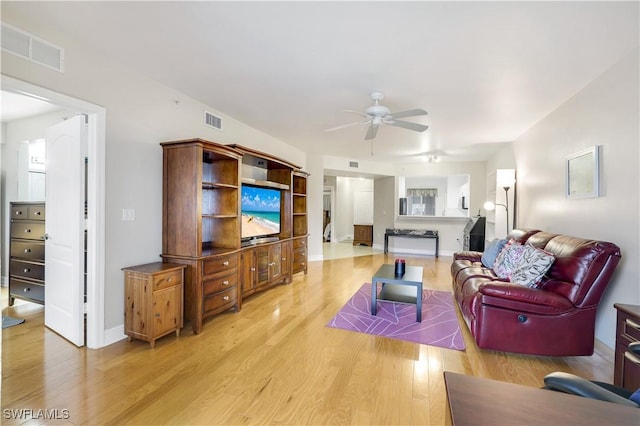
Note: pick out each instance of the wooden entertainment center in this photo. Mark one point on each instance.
(202, 224)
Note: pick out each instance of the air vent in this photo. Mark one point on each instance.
(32, 48)
(353, 164)
(212, 120)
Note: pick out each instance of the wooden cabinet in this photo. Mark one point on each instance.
(627, 364)
(27, 253)
(363, 235)
(202, 223)
(153, 300)
(299, 261)
(264, 266)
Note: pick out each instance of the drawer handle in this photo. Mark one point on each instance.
(19, 213)
(631, 357)
(225, 298)
(38, 213)
(25, 270)
(632, 324)
(26, 290)
(302, 263)
(225, 263)
(225, 282)
(284, 259)
(27, 231)
(169, 280)
(253, 269)
(27, 250)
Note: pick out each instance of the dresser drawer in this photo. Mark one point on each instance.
(215, 285)
(36, 212)
(31, 250)
(219, 300)
(28, 230)
(26, 211)
(220, 264)
(299, 243)
(631, 329)
(299, 255)
(26, 269)
(26, 289)
(167, 279)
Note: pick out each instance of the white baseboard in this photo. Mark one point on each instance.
(315, 258)
(114, 335)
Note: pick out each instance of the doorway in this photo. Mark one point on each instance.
(95, 184)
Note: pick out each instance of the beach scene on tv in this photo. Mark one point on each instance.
(260, 211)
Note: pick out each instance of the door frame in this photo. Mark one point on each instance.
(96, 148)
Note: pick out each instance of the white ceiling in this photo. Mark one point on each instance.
(15, 106)
(485, 71)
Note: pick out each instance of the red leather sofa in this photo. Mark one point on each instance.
(555, 319)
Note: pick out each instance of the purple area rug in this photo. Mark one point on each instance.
(439, 326)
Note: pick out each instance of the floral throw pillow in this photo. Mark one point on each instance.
(507, 260)
(532, 266)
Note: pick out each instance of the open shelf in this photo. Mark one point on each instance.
(265, 183)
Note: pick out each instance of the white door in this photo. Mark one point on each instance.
(64, 227)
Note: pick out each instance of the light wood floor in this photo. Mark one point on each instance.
(275, 362)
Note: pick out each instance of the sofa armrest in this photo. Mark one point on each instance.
(519, 293)
(568, 383)
(472, 256)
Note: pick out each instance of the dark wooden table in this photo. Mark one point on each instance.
(477, 401)
(394, 287)
(410, 233)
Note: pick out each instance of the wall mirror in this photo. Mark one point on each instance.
(428, 196)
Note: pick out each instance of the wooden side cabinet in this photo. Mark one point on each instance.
(627, 364)
(153, 300)
(27, 261)
(363, 235)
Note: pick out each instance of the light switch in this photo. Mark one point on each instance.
(128, 215)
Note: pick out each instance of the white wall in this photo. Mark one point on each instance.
(140, 113)
(604, 113)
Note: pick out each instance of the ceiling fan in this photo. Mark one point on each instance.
(378, 114)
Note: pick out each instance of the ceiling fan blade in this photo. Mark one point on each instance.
(407, 125)
(346, 125)
(372, 132)
(408, 113)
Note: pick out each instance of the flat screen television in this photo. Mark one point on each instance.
(260, 209)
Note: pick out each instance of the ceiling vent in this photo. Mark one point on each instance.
(32, 48)
(353, 164)
(212, 120)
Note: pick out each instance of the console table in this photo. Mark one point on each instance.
(410, 233)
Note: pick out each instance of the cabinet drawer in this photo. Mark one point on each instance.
(299, 243)
(30, 250)
(26, 211)
(299, 255)
(36, 212)
(167, 279)
(298, 266)
(221, 299)
(632, 329)
(26, 269)
(28, 289)
(220, 264)
(215, 285)
(28, 230)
